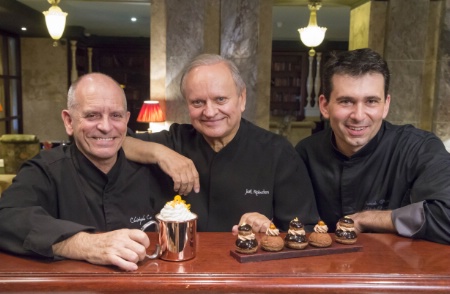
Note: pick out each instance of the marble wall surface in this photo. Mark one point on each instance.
(441, 113)
(377, 25)
(178, 27)
(359, 26)
(412, 35)
(405, 54)
(430, 69)
(368, 26)
(44, 88)
(237, 30)
(244, 39)
(419, 63)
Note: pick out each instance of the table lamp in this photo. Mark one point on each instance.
(150, 112)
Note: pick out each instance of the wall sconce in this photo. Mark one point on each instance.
(150, 112)
(55, 19)
(313, 35)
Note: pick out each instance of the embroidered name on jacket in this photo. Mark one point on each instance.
(140, 219)
(380, 204)
(256, 192)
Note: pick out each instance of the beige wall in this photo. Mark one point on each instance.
(44, 88)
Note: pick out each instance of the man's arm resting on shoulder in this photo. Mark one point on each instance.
(123, 248)
(180, 168)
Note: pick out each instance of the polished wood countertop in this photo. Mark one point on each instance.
(386, 263)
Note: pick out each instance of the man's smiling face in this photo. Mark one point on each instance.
(356, 109)
(215, 106)
(98, 121)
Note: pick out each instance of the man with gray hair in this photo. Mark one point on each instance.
(247, 174)
(61, 197)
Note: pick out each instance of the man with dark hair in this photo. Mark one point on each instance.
(388, 178)
(247, 174)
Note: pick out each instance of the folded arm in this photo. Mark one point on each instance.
(181, 169)
(376, 221)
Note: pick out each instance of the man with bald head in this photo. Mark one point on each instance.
(62, 196)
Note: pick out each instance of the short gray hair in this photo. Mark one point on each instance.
(210, 59)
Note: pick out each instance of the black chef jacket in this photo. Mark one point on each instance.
(402, 168)
(258, 171)
(60, 192)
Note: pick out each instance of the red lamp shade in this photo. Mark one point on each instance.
(150, 112)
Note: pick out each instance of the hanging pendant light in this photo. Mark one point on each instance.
(55, 19)
(313, 35)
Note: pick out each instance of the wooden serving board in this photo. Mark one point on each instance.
(262, 255)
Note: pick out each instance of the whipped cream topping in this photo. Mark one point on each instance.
(296, 232)
(243, 235)
(272, 232)
(345, 229)
(321, 228)
(176, 210)
(250, 236)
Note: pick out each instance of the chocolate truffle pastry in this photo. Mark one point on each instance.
(296, 236)
(272, 240)
(345, 231)
(246, 242)
(320, 236)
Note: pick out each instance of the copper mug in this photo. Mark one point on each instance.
(177, 241)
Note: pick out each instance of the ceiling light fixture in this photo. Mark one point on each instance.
(55, 19)
(313, 35)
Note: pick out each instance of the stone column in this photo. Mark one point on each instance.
(405, 53)
(406, 33)
(180, 30)
(441, 113)
(158, 53)
(238, 30)
(89, 49)
(246, 38)
(368, 25)
(73, 70)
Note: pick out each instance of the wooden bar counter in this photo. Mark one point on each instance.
(386, 263)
